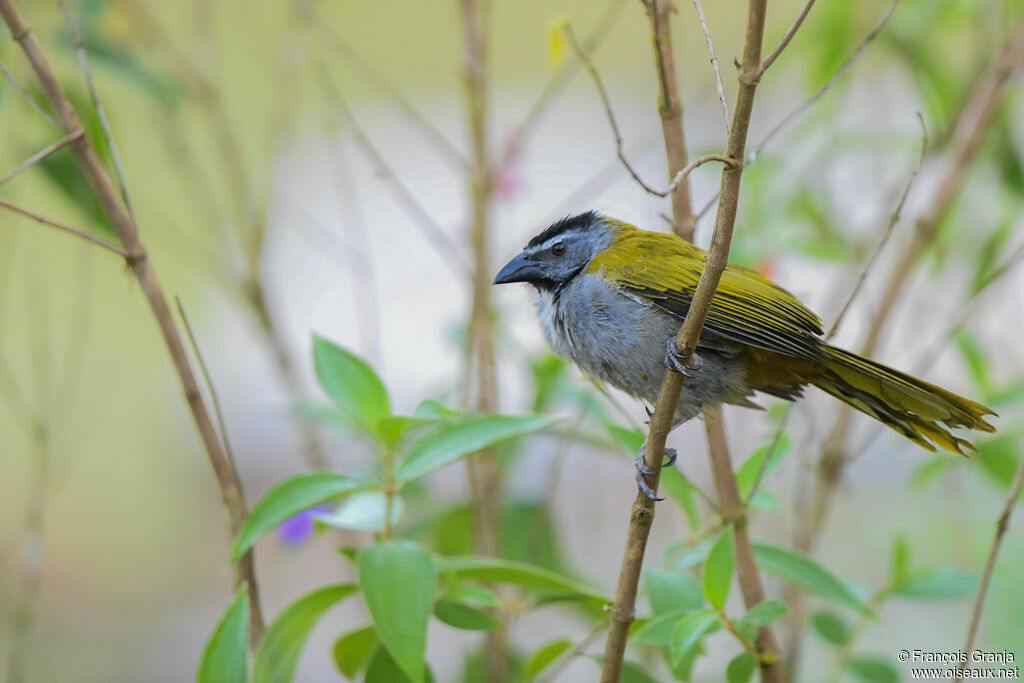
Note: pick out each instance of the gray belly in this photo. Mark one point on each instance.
(621, 341)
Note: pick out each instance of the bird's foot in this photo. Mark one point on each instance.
(674, 360)
(641, 470)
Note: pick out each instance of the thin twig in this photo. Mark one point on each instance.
(714, 62)
(1002, 524)
(806, 104)
(894, 218)
(42, 154)
(25, 94)
(575, 651)
(136, 257)
(78, 232)
(100, 112)
(774, 54)
(435, 234)
(623, 609)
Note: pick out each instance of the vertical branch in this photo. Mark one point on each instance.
(483, 468)
(670, 108)
(142, 269)
(642, 516)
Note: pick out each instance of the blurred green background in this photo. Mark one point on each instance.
(228, 121)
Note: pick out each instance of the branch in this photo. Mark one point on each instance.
(100, 112)
(142, 269)
(714, 63)
(806, 104)
(1002, 523)
(42, 154)
(774, 54)
(32, 102)
(642, 516)
(77, 232)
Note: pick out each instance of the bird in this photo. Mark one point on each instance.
(611, 298)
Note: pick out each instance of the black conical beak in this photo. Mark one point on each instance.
(519, 269)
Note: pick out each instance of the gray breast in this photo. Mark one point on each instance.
(621, 341)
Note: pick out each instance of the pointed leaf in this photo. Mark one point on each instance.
(461, 436)
(504, 571)
(352, 385)
(690, 630)
(353, 649)
(384, 669)
(226, 656)
(363, 512)
(672, 591)
(680, 490)
(741, 668)
(800, 569)
(545, 656)
(288, 498)
(761, 614)
(659, 630)
(748, 472)
(282, 643)
(830, 626)
(718, 570)
(465, 616)
(398, 582)
(938, 584)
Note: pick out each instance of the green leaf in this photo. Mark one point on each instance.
(474, 595)
(931, 469)
(873, 668)
(544, 656)
(761, 614)
(938, 584)
(830, 626)
(504, 571)
(718, 570)
(353, 649)
(690, 630)
(351, 384)
(672, 591)
(464, 616)
(975, 358)
(226, 656)
(363, 512)
(288, 498)
(630, 439)
(693, 557)
(658, 630)
(462, 436)
(398, 582)
(998, 458)
(741, 668)
(899, 560)
(680, 489)
(282, 643)
(800, 569)
(384, 669)
(631, 671)
(747, 473)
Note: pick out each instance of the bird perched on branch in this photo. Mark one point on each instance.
(612, 298)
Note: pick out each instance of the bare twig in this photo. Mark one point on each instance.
(575, 651)
(32, 102)
(98, 104)
(806, 104)
(894, 218)
(774, 54)
(642, 517)
(42, 154)
(142, 269)
(714, 62)
(435, 234)
(78, 232)
(1002, 524)
(670, 109)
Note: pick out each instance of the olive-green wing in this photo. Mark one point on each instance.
(748, 308)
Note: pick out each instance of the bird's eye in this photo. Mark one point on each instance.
(558, 248)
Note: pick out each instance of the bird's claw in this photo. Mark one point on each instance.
(642, 469)
(674, 360)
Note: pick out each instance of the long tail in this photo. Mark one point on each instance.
(916, 409)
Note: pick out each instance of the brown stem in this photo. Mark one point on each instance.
(642, 516)
(670, 109)
(42, 154)
(77, 232)
(1002, 524)
(138, 263)
(970, 133)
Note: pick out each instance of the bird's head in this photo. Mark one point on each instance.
(558, 254)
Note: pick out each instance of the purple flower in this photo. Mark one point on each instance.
(296, 529)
